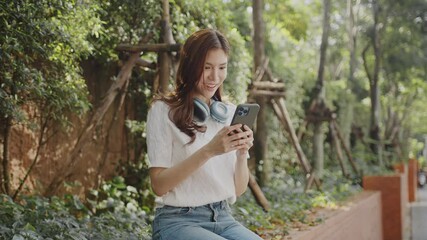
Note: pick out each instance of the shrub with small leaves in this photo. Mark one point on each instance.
(41, 218)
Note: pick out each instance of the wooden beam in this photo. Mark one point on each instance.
(73, 158)
(261, 71)
(144, 63)
(337, 146)
(346, 149)
(270, 75)
(258, 194)
(280, 86)
(283, 114)
(256, 92)
(310, 180)
(158, 47)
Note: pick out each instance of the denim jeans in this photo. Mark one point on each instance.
(208, 222)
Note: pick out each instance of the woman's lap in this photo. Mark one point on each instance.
(208, 222)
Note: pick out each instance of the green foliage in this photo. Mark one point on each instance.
(117, 196)
(239, 68)
(40, 218)
(126, 22)
(42, 43)
(283, 15)
(289, 203)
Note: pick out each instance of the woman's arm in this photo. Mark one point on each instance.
(165, 179)
(241, 174)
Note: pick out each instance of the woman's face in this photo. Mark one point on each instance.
(213, 75)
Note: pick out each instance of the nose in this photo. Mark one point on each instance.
(214, 74)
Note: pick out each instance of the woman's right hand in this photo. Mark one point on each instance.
(227, 139)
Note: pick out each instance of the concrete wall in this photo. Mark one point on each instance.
(359, 219)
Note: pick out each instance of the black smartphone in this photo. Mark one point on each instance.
(246, 114)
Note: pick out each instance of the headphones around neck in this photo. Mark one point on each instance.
(218, 111)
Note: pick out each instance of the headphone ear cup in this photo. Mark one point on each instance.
(201, 110)
(219, 111)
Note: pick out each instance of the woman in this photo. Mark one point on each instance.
(198, 163)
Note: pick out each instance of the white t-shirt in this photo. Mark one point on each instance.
(167, 146)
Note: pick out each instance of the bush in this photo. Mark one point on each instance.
(68, 218)
(290, 204)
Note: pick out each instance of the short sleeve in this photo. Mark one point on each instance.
(159, 137)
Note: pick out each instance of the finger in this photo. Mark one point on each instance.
(234, 127)
(238, 136)
(246, 127)
(248, 130)
(241, 141)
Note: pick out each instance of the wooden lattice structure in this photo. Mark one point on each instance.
(274, 90)
(319, 112)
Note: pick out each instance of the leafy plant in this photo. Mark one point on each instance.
(40, 218)
(117, 196)
(42, 43)
(290, 204)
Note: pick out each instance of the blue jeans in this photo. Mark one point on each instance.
(208, 222)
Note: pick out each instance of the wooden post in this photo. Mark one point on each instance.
(164, 61)
(73, 157)
(258, 194)
(337, 146)
(281, 111)
(347, 151)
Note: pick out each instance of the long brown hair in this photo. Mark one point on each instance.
(191, 63)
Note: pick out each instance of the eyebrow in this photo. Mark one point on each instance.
(214, 64)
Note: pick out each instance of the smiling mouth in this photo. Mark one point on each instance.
(211, 87)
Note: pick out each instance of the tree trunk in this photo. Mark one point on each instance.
(348, 112)
(374, 131)
(318, 138)
(261, 133)
(323, 49)
(5, 178)
(352, 36)
(318, 153)
(164, 59)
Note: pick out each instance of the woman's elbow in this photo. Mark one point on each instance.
(156, 184)
(240, 192)
(157, 189)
